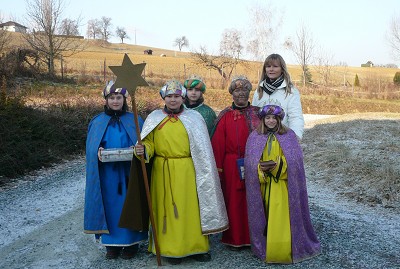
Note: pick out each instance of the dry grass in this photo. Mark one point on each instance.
(91, 65)
(96, 52)
(356, 156)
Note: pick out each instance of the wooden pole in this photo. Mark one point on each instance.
(62, 68)
(104, 69)
(146, 183)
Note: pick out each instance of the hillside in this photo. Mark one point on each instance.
(179, 65)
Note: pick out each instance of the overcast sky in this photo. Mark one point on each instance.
(353, 31)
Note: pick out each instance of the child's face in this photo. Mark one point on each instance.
(173, 101)
(270, 121)
(115, 101)
(273, 70)
(193, 95)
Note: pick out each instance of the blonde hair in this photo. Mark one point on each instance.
(286, 76)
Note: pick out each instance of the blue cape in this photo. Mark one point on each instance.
(94, 217)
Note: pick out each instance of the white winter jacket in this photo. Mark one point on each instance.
(291, 104)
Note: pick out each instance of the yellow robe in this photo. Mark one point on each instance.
(278, 246)
(173, 180)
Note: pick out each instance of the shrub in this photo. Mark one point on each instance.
(33, 138)
(396, 79)
(356, 81)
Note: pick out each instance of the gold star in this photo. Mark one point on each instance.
(129, 75)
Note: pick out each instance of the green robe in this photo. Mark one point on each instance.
(208, 115)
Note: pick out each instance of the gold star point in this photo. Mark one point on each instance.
(129, 75)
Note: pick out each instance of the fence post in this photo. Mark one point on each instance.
(62, 68)
(379, 84)
(104, 70)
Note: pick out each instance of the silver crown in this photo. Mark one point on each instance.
(239, 77)
(194, 76)
(274, 102)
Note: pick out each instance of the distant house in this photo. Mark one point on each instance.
(13, 27)
(368, 64)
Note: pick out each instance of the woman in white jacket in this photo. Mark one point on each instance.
(275, 87)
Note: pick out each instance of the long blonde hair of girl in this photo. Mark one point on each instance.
(268, 61)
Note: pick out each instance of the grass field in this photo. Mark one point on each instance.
(376, 82)
(95, 54)
(91, 65)
(90, 68)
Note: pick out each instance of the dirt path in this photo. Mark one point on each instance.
(41, 226)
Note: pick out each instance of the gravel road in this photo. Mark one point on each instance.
(41, 226)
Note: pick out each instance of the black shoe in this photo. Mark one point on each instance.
(234, 248)
(206, 257)
(129, 252)
(174, 261)
(113, 252)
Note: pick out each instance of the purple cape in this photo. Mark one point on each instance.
(305, 243)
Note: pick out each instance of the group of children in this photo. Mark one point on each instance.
(240, 173)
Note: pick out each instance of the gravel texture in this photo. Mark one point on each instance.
(41, 226)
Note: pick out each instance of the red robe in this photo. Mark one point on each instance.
(232, 128)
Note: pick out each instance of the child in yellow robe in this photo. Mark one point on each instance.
(276, 192)
(185, 190)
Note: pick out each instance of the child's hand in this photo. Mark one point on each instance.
(267, 166)
(99, 153)
(139, 149)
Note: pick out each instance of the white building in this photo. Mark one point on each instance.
(13, 27)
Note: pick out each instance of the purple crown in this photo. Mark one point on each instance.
(271, 110)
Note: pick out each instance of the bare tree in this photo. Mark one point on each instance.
(394, 37)
(264, 26)
(105, 28)
(212, 62)
(324, 66)
(229, 57)
(69, 27)
(93, 29)
(230, 45)
(181, 42)
(45, 17)
(4, 41)
(121, 33)
(303, 49)
(345, 69)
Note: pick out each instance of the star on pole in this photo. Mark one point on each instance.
(129, 75)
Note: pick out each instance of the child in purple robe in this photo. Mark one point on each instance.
(279, 217)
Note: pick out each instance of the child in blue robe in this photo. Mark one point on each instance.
(107, 182)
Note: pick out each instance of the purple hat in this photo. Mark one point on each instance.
(110, 88)
(271, 110)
